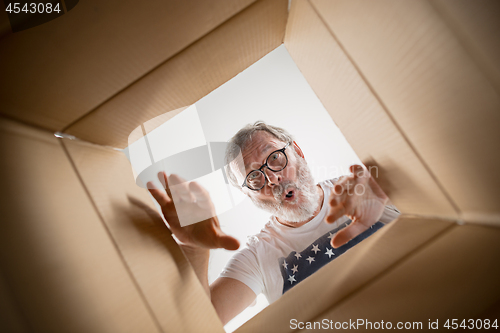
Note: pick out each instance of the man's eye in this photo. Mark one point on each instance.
(253, 175)
(274, 156)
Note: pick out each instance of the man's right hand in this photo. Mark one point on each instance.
(194, 200)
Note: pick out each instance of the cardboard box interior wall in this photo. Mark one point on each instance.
(413, 85)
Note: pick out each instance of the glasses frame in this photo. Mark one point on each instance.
(282, 150)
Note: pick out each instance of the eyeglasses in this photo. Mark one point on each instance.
(276, 161)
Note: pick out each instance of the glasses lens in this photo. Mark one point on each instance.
(276, 161)
(255, 180)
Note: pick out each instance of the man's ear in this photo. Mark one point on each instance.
(298, 150)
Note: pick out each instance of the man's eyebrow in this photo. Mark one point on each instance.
(266, 148)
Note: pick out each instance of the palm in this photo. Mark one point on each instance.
(192, 218)
(360, 198)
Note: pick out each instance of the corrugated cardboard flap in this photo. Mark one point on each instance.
(189, 75)
(162, 273)
(55, 73)
(430, 65)
(61, 270)
(413, 269)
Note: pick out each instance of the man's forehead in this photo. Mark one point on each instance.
(268, 147)
(261, 144)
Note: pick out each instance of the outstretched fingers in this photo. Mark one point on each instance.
(162, 177)
(357, 171)
(160, 196)
(179, 188)
(201, 196)
(343, 236)
(336, 211)
(337, 208)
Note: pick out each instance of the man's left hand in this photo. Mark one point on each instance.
(360, 198)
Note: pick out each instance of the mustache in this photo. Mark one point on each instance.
(279, 190)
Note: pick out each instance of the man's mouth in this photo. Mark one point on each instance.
(289, 195)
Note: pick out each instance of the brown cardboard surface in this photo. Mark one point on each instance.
(53, 74)
(10, 316)
(455, 276)
(476, 25)
(355, 269)
(361, 115)
(189, 75)
(4, 24)
(152, 124)
(61, 269)
(433, 86)
(162, 273)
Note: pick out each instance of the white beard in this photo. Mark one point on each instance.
(305, 190)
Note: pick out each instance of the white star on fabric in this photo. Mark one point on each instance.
(298, 255)
(285, 265)
(330, 235)
(316, 249)
(295, 269)
(291, 278)
(310, 259)
(329, 252)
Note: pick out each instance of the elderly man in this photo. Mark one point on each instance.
(311, 224)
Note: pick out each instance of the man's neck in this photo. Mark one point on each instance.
(316, 212)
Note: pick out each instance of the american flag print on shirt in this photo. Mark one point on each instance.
(298, 266)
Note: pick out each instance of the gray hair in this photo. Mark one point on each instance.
(241, 139)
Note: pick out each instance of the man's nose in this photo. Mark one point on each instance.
(273, 178)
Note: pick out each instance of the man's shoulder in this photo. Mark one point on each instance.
(263, 240)
(256, 246)
(264, 234)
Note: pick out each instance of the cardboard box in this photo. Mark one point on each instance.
(414, 87)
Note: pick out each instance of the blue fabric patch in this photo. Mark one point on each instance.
(298, 266)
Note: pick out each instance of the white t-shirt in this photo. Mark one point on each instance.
(280, 254)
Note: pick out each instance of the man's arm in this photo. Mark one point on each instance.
(228, 296)
(199, 259)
